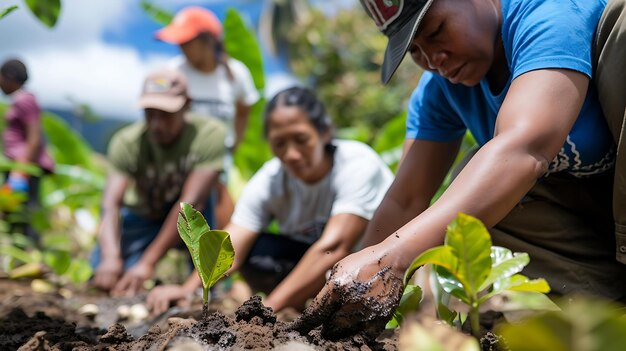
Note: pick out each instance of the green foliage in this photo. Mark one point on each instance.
(408, 303)
(241, 44)
(47, 11)
(156, 13)
(469, 268)
(340, 57)
(7, 10)
(583, 324)
(211, 250)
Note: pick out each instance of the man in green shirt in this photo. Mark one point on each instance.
(169, 158)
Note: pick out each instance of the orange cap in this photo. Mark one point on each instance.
(188, 23)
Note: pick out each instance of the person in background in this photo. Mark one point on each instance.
(219, 86)
(519, 74)
(321, 192)
(171, 157)
(23, 137)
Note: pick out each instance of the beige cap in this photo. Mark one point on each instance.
(164, 90)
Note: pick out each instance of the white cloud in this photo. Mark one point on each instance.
(71, 60)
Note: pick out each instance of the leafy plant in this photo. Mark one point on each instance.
(583, 324)
(470, 269)
(47, 11)
(7, 10)
(408, 303)
(211, 251)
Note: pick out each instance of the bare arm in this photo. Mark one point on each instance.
(308, 276)
(528, 136)
(33, 141)
(242, 113)
(195, 192)
(422, 169)
(110, 267)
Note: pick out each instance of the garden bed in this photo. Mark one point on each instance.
(34, 321)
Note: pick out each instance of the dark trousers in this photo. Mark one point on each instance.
(270, 260)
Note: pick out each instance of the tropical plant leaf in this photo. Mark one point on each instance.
(505, 264)
(156, 13)
(446, 314)
(443, 256)
(472, 244)
(18, 254)
(58, 261)
(7, 10)
(47, 11)
(241, 44)
(517, 282)
(79, 271)
(450, 284)
(409, 302)
(211, 250)
(216, 256)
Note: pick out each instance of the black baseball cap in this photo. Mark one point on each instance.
(398, 20)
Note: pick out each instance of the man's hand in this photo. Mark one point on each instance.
(132, 281)
(107, 273)
(159, 299)
(361, 294)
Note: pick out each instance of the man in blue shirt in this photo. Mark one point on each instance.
(518, 75)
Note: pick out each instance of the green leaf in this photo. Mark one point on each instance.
(216, 256)
(47, 11)
(443, 256)
(59, 261)
(505, 264)
(450, 284)
(211, 250)
(517, 282)
(156, 13)
(7, 10)
(241, 44)
(409, 302)
(19, 254)
(446, 314)
(472, 244)
(79, 271)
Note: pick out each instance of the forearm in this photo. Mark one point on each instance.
(193, 282)
(109, 232)
(389, 217)
(488, 188)
(241, 122)
(306, 279)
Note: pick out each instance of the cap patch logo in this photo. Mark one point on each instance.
(383, 12)
(158, 85)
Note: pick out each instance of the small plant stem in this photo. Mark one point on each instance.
(474, 320)
(205, 305)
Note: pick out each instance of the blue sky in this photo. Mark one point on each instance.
(100, 50)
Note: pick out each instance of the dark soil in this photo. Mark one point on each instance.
(30, 321)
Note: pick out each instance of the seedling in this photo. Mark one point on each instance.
(211, 251)
(470, 269)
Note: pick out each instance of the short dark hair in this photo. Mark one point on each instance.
(14, 70)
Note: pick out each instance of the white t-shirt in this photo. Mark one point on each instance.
(356, 185)
(215, 94)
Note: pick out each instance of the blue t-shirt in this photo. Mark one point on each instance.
(536, 34)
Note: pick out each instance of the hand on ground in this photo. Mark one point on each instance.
(360, 295)
(160, 298)
(107, 273)
(132, 281)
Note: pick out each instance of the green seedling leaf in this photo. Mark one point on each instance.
(505, 264)
(47, 11)
(443, 256)
(211, 250)
(19, 254)
(450, 284)
(79, 271)
(58, 261)
(156, 13)
(409, 302)
(7, 10)
(472, 244)
(446, 314)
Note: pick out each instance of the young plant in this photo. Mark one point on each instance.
(470, 269)
(211, 251)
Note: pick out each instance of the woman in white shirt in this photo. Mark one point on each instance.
(320, 192)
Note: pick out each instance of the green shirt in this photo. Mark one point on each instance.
(158, 172)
